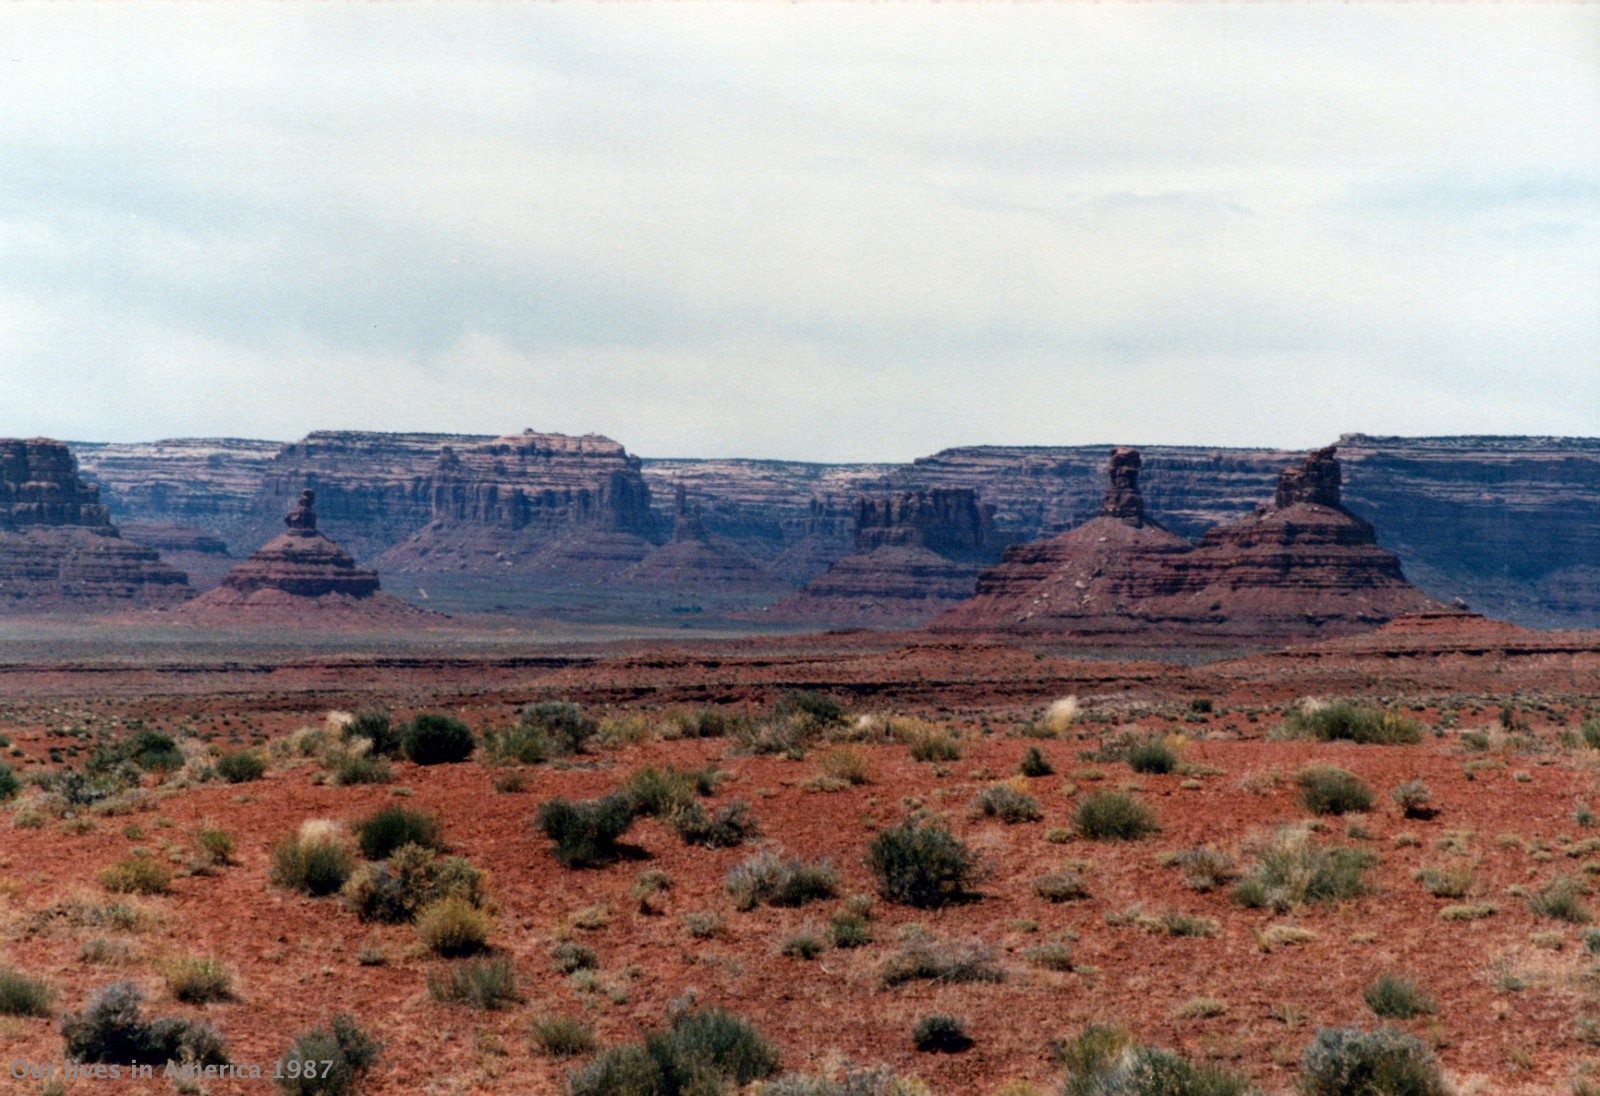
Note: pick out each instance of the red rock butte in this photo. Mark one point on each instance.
(58, 548)
(301, 562)
(1302, 566)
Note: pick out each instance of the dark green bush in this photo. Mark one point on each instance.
(329, 1061)
(1562, 900)
(562, 1036)
(1004, 802)
(1113, 816)
(23, 996)
(662, 791)
(354, 768)
(151, 750)
(1152, 1071)
(1396, 998)
(523, 745)
(921, 866)
(570, 956)
(312, 866)
(566, 726)
(586, 832)
(112, 1028)
(1152, 755)
(1290, 870)
(9, 785)
(1386, 1062)
(1034, 763)
(413, 878)
(1343, 720)
(704, 1051)
(935, 746)
(819, 708)
(388, 828)
(434, 739)
(481, 983)
(241, 767)
(1328, 789)
(940, 1034)
(379, 730)
(731, 825)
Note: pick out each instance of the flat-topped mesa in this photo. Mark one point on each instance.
(300, 562)
(58, 548)
(1314, 481)
(573, 508)
(40, 486)
(917, 552)
(1123, 500)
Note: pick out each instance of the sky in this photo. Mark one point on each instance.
(813, 231)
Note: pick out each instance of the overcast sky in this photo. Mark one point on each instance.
(811, 231)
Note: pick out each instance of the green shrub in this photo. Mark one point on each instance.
(112, 1028)
(1113, 816)
(948, 961)
(1291, 871)
(434, 739)
(137, 875)
(520, 744)
(1591, 732)
(216, 846)
(413, 878)
(1328, 789)
(354, 768)
(1343, 720)
(569, 956)
(1061, 886)
(316, 864)
(1034, 763)
(379, 731)
(1153, 755)
(241, 767)
(586, 832)
(851, 927)
(1386, 1062)
(731, 825)
(480, 983)
(1055, 955)
(940, 1034)
(565, 726)
(23, 996)
(1395, 998)
(805, 944)
(453, 926)
(200, 979)
(151, 750)
(9, 784)
(922, 866)
(1152, 1071)
(386, 829)
(816, 707)
(562, 1036)
(1004, 802)
(662, 791)
(1206, 869)
(700, 1051)
(1561, 899)
(768, 878)
(1413, 798)
(328, 1061)
(935, 746)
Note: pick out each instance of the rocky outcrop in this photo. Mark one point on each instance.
(192, 550)
(917, 553)
(695, 560)
(569, 508)
(58, 548)
(298, 577)
(1092, 580)
(1303, 566)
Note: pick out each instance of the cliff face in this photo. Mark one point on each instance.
(58, 548)
(1302, 566)
(209, 483)
(916, 553)
(548, 504)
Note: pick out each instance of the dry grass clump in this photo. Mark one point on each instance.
(199, 979)
(1291, 871)
(767, 877)
(949, 961)
(138, 874)
(316, 861)
(453, 926)
(1205, 868)
(1343, 720)
(1062, 714)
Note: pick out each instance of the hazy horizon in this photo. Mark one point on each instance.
(801, 232)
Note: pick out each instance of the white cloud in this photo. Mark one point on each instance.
(801, 230)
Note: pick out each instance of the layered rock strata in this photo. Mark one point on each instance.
(917, 553)
(695, 560)
(58, 548)
(1302, 566)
